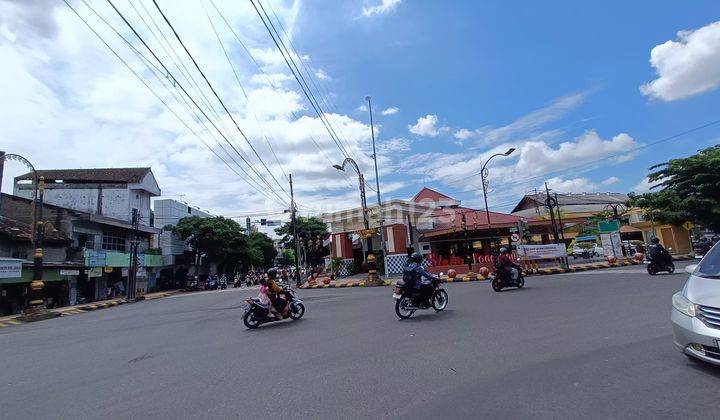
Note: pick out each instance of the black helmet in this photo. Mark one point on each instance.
(655, 240)
(272, 273)
(503, 250)
(416, 257)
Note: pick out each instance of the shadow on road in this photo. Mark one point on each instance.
(430, 316)
(275, 325)
(704, 367)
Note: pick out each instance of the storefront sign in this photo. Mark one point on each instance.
(108, 269)
(607, 226)
(611, 244)
(541, 252)
(95, 272)
(69, 272)
(10, 269)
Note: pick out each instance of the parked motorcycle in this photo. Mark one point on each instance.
(223, 284)
(407, 300)
(212, 284)
(503, 280)
(257, 313)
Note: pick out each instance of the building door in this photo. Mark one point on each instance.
(668, 239)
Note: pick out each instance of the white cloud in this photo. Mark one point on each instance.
(390, 111)
(61, 85)
(528, 126)
(644, 186)
(611, 181)
(320, 74)
(574, 185)
(686, 67)
(385, 6)
(427, 126)
(361, 108)
(393, 145)
(463, 134)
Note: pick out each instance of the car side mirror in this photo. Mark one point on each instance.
(690, 268)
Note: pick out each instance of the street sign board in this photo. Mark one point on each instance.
(515, 237)
(10, 269)
(611, 244)
(607, 226)
(541, 252)
(69, 272)
(688, 225)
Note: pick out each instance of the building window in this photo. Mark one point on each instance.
(113, 241)
(86, 241)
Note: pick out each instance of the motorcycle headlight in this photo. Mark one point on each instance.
(683, 304)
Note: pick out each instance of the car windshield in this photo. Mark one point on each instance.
(710, 265)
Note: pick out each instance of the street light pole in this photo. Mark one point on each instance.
(377, 179)
(483, 176)
(36, 311)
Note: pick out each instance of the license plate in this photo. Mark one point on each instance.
(396, 296)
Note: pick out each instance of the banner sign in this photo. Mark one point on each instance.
(611, 243)
(95, 272)
(10, 269)
(607, 226)
(541, 252)
(69, 272)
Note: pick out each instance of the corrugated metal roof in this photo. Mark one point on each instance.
(109, 175)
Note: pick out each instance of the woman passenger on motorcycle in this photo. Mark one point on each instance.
(275, 292)
(506, 263)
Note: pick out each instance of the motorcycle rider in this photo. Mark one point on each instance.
(275, 292)
(506, 264)
(413, 276)
(658, 254)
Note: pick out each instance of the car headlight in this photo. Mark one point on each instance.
(683, 304)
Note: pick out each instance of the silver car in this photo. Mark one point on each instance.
(696, 310)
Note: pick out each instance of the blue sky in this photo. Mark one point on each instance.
(578, 88)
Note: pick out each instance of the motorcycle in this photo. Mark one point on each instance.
(212, 284)
(654, 267)
(257, 313)
(499, 282)
(407, 301)
(223, 284)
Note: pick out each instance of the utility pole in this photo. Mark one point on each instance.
(381, 214)
(293, 220)
(134, 242)
(557, 204)
(549, 203)
(2, 167)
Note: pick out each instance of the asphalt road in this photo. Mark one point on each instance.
(594, 345)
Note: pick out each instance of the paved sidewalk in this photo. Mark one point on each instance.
(358, 280)
(13, 320)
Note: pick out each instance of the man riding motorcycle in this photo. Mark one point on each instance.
(658, 254)
(413, 276)
(506, 265)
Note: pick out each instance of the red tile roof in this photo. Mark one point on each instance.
(428, 194)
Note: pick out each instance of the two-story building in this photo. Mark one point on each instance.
(177, 255)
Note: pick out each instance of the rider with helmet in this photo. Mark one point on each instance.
(506, 264)
(418, 279)
(658, 254)
(275, 292)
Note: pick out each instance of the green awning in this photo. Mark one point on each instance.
(27, 276)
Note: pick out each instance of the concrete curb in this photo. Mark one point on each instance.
(466, 279)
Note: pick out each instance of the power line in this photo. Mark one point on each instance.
(272, 85)
(237, 78)
(182, 121)
(298, 78)
(167, 71)
(212, 89)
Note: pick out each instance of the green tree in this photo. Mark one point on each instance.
(689, 190)
(261, 250)
(221, 240)
(311, 232)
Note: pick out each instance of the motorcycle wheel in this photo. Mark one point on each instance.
(496, 285)
(439, 300)
(520, 282)
(651, 270)
(401, 307)
(297, 311)
(250, 320)
(671, 268)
